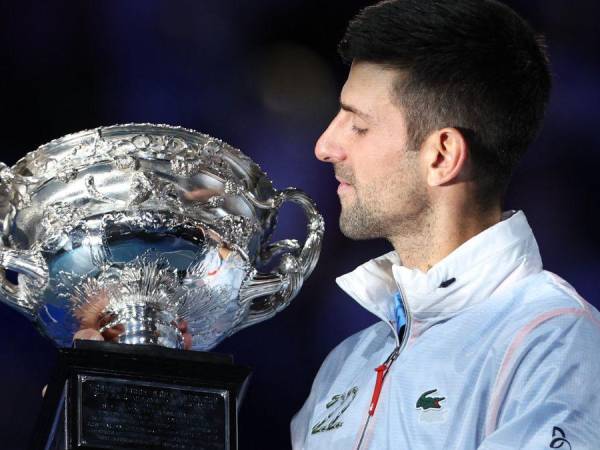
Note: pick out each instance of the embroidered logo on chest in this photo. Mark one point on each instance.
(431, 408)
(335, 408)
(426, 402)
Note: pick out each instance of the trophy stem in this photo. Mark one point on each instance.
(146, 324)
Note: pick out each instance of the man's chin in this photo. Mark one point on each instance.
(358, 235)
(355, 229)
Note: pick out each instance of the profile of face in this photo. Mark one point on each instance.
(382, 188)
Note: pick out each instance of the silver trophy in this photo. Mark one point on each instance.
(137, 229)
(141, 227)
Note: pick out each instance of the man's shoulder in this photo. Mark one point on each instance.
(545, 304)
(378, 332)
(358, 347)
(547, 293)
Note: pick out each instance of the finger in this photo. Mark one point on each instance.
(182, 326)
(88, 334)
(113, 333)
(44, 390)
(103, 319)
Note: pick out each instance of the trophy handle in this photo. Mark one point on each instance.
(272, 292)
(6, 178)
(25, 262)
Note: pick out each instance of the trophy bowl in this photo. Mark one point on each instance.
(137, 229)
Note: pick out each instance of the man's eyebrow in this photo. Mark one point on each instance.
(352, 109)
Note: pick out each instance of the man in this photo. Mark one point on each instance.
(478, 347)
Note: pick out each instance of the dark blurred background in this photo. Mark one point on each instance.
(264, 76)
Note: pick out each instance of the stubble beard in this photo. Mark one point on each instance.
(360, 221)
(391, 210)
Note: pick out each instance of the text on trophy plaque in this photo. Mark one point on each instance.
(122, 413)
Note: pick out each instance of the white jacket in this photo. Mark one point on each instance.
(505, 356)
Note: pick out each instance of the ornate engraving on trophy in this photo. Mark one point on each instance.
(117, 412)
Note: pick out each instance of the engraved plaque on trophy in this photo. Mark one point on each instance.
(113, 412)
(157, 237)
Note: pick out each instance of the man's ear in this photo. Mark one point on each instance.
(444, 154)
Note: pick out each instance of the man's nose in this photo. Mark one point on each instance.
(328, 147)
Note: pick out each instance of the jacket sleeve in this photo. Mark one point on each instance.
(547, 394)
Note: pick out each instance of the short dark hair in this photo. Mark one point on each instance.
(474, 65)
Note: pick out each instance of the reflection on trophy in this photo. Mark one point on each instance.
(156, 236)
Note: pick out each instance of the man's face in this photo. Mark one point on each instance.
(381, 191)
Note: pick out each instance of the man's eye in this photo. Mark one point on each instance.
(359, 131)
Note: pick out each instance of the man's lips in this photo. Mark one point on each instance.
(342, 181)
(344, 185)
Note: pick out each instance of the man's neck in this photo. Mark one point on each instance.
(440, 236)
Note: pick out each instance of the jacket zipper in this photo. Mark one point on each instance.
(383, 369)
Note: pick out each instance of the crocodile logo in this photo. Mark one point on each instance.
(426, 402)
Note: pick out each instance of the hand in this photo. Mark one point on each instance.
(93, 318)
(112, 334)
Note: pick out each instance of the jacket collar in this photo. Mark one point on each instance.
(481, 266)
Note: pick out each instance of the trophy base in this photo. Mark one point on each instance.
(133, 397)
